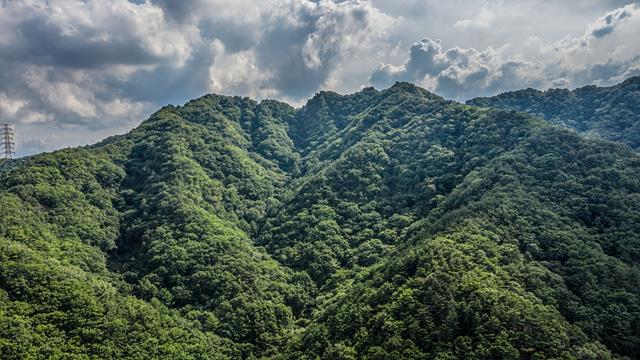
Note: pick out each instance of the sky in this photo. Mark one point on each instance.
(73, 72)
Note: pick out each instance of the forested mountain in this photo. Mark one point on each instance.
(610, 112)
(379, 225)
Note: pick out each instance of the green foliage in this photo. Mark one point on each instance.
(610, 112)
(378, 225)
(57, 298)
(452, 296)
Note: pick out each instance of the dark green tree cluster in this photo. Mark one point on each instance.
(58, 298)
(609, 112)
(379, 225)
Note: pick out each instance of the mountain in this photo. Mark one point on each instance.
(609, 112)
(376, 225)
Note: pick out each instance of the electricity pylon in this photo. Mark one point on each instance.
(7, 142)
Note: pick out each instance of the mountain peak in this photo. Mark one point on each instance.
(412, 89)
(405, 86)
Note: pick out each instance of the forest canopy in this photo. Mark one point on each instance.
(387, 224)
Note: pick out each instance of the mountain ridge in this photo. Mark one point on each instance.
(380, 224)
(609, 112)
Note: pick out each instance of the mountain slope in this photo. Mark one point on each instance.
(57, 297)
(381, 224)
(609, 112)
(523, 249)
(178, 199)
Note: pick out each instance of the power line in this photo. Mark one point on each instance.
(7, 141)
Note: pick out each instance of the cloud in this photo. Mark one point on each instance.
(482, 19)
(455, 72)
(86, 66)
(341, 27)
(74, 71)
(238, 72)
(65, 61)
(602, 27)
(280, 48)
(304, 42)
(606, 24)
(90, 34)
(10, 107)
(462, 73)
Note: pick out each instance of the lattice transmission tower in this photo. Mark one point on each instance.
(7, 142)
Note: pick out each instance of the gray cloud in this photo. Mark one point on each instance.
(74, 71)
(303, 42)
(62, 58)
(462, 73)
(92, 66)
(456, 72)
(179, 10)
(606, 24)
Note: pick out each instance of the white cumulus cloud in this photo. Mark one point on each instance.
(604, 54)
(74, 71)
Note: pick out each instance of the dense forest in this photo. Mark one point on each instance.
(609, 112)
(387, 224)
